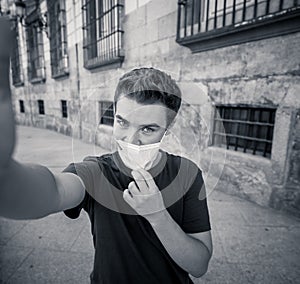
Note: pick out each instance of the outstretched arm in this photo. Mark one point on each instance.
(27, 191)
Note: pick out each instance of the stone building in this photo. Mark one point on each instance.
(237, 63)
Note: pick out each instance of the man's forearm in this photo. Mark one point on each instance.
(27, 191)
(189, 253)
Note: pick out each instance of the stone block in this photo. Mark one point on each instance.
(280, 144)
(292, 98)
(130, 5)
(135, 19)
(167, 26)
(293, 175)
(157, 9)
(277, 55)
(11, 259)
(151, 32)
(48, 266)
(213, 64)
(142, 2)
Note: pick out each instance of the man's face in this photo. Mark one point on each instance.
(139, 124)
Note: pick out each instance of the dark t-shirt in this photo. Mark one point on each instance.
(127, 249)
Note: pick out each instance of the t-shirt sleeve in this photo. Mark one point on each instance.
(195, 209)
(82, 170)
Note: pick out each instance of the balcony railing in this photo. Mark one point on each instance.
(203, 24)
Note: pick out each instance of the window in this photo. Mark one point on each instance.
(21, 104)
(35, 49)
(41, 107)
(16, 67)
(102, 32)
(246, 129)
(58, 38)
(208, 24)
(64, 108)
(106, 113)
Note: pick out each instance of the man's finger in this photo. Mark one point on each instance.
(133, 188)
(148, 179)
(127, 196)
(140, 181)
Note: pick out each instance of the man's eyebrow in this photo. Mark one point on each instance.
(120, 117)
(150, 125)
(142, 125)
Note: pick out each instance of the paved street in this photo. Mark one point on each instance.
(251, 244)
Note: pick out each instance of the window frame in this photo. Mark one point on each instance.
(21, 106)
(41, 107)
(251, 144)
(64, 108)
(16, 59)
(58, 38)
(103, 33)
(105, 107)
(35, 49)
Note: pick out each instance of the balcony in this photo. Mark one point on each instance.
(209, 24)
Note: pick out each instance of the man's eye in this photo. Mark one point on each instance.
(147, 130)
(121, 122)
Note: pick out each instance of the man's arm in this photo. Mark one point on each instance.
(31, 191)
(27, 191)
(191, 252)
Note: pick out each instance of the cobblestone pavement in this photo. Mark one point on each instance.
(252, 244)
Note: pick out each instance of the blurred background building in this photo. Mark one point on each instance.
(242, 56)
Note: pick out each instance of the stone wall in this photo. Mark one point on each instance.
(261, 73)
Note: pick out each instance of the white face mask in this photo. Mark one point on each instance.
(136, 157)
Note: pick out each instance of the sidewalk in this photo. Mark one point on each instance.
(251, 244)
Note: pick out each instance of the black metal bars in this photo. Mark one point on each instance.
(245, 129)
(58, 38)
(209, 15)
(102, 32)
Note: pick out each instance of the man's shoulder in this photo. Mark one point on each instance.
(181, 161)
(103, 160)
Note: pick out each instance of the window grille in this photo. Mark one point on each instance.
(106, 113)
(64, 108)
(21, 104)
(58, 38)
(41, 107)
(246, 129)
(102, 32)
(207, 21)
(16, 66)
(35, 50)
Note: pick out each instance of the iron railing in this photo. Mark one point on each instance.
(35, 51)
(58, 38)
(246, 129)
(16, 62)
(102, 32)
(212, 17)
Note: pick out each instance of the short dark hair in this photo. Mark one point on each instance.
(150, 86)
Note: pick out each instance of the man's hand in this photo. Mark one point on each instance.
(143, 195)
(190, 253)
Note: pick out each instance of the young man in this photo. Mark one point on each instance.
(147, 221)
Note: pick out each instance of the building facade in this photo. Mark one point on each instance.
(237, 63)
